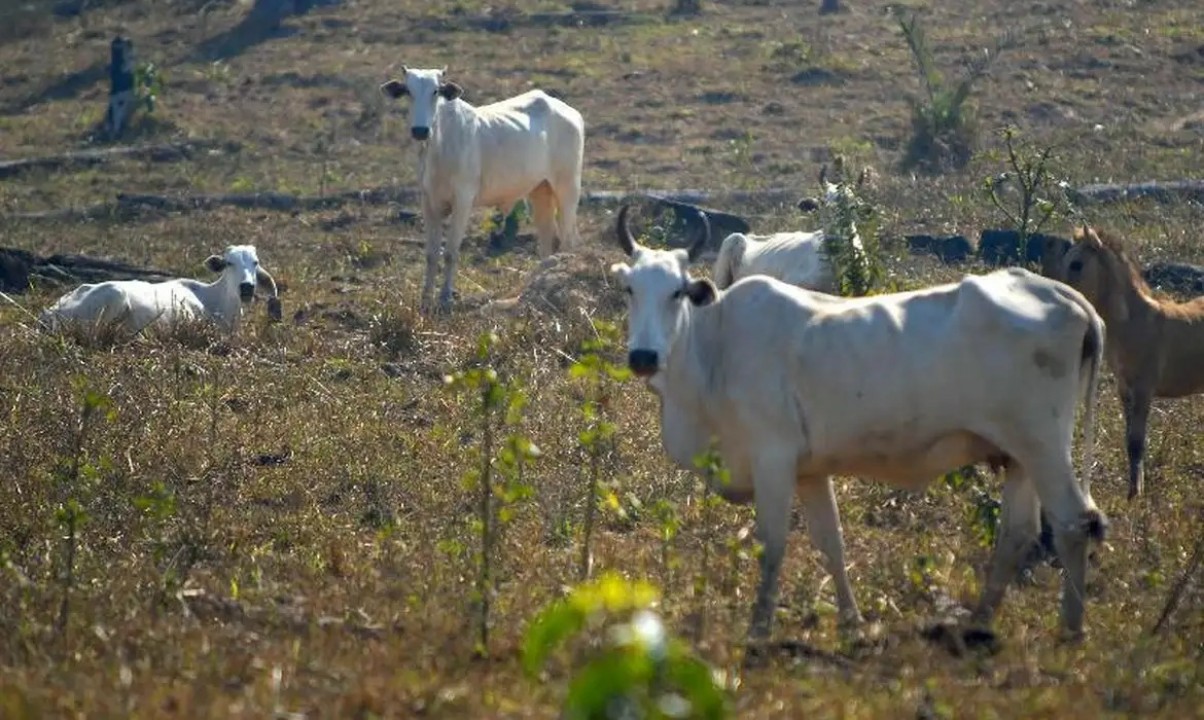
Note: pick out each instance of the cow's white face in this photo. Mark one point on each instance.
(660, 292)
(425, 88)
(239, 264)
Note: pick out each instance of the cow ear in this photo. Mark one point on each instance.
(701, 292)
(215, 263)
(394, 88)
(450, 91)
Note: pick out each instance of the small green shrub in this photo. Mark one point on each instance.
(640, 670)
(858, 271)
(944, 118)
(1036, 193)
(499, 481)
(600, 377)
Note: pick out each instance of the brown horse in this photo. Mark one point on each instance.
(1155, 347)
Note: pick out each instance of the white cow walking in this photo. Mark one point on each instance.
(796, 386)
(528, 146)
(797, 258)
(134, 305)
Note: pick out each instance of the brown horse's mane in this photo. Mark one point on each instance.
(1118, 248)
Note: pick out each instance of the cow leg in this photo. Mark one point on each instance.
(568, 195)
(827, 536)
(773, 479)
(457, 227)
(1075, 519)
(543, 213)
(433, 220)
(1137, 413)
(1020, 526)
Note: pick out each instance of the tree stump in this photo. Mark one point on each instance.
(121, 87)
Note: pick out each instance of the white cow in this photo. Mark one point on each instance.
(796, 386)
(136, 304)
(797, 258)
(530, 145)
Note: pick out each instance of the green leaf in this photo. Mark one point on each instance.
(550, 629)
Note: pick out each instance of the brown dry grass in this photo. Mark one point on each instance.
(315, 466)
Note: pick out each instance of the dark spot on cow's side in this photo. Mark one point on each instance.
(1052, 366)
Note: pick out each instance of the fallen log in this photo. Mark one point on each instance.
(132, 206)
(168, 152)
(1163, 191)
(19, 269)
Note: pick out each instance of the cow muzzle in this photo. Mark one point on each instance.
(644, 363)
(420, 133)
(246, 292)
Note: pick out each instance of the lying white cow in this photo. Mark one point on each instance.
(797, 258)
(796, 386)
(528, 146)
(136, 304)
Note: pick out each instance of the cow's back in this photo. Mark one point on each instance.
(796, 258)
(525, 140)
(851, 370)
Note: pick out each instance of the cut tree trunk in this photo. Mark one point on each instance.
(121, 87)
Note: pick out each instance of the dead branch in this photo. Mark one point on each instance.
(1180, 586)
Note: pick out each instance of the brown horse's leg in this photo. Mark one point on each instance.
(1137, 412)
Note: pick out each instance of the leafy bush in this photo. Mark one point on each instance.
(1037, 194)
(639, 671)
(858, 271)
(944, 123)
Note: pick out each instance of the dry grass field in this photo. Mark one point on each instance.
(277, 524)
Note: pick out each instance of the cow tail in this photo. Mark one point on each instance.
(1093, 359)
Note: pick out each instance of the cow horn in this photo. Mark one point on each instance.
(626, 241)
(702, 239)
(275, 310)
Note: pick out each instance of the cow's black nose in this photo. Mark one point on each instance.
(643, 362)
(420, 133)
(246, 291)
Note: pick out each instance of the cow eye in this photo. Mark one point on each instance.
(678, 293)
(1076, 266)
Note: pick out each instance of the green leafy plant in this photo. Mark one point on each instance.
(499, 406)
(148, 86)
(1037, 194)
(507, 225)
(713, 472)
(944, 117)
(984, 508)
(600, 377)
(639, 670)
(857, 270)
(76, 478)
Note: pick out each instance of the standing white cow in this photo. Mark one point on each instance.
(797, 258)
(796, 386)
(528, 146)
(134, 305)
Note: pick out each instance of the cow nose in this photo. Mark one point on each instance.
(643, 362)
(246, 291)
(420, 133)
